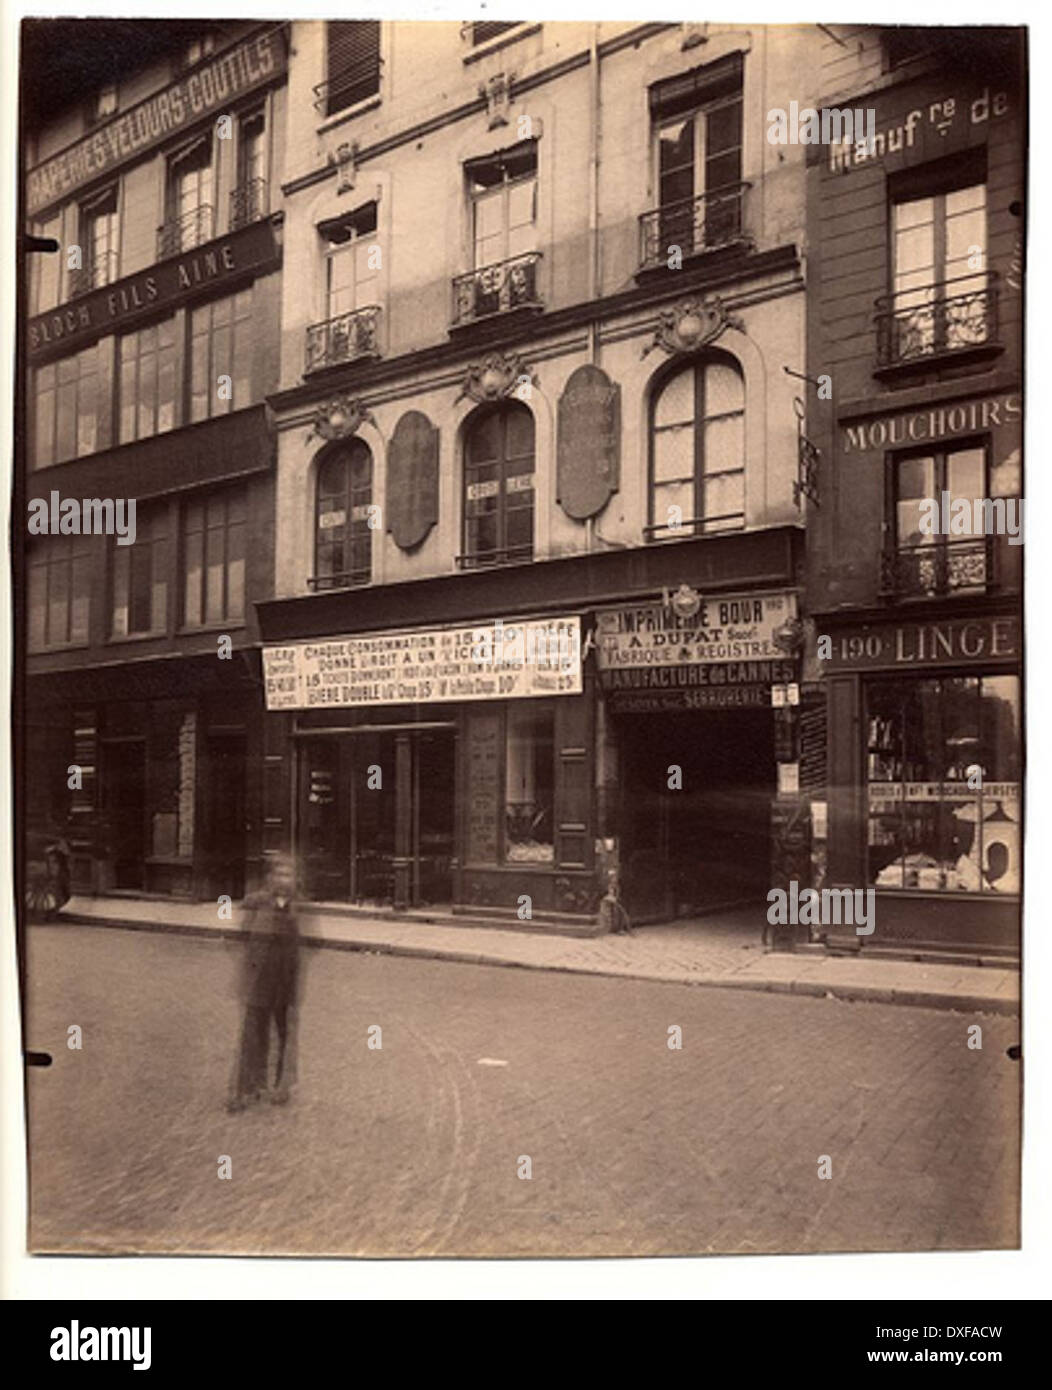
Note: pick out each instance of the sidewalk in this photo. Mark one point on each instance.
(724, 953)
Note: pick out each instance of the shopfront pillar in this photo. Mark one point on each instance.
(403, 860)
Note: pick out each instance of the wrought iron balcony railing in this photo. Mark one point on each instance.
(345, 338)
(939, 568)
(495, 289)
(345, 579)
(504, 555)
(100, 270)
(704, 223)
(248, 203)
(183, 233)
(950, 316)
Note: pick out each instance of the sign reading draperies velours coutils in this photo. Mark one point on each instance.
(504, 660)
(228, 261)
(412, 480)
(589, 442)
(210, 87)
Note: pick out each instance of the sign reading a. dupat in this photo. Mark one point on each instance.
(210, 87)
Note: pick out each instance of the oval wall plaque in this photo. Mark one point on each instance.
(589, 442)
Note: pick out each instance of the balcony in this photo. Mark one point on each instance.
(708, 222)
(183, 233)
(248, 203)
(951, 318)
(505, 555)
(497, 289)
(345, 579)
(347, 338)
(101, 270)
(938, 570)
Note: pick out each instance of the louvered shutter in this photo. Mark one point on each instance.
(354, 63)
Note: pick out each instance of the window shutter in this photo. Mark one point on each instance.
(354, 62)
(694, 89)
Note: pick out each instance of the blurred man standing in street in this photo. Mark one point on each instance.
(270, 977)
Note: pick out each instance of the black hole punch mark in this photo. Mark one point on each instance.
(1015, 1052)
(38, 1059)
(38, 243)
(1016, 208)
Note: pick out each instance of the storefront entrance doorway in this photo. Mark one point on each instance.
(706, 844)
(373, 804)
(125, 810)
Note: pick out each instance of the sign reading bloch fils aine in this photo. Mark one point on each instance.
(503, 660)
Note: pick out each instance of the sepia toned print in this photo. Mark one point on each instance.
(520, 636)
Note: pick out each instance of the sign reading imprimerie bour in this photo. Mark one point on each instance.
(210, 87)
(726, 627)
(504, 660)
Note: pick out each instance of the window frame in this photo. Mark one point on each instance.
(699, 524)
(68, 552)
(324, 91)
(344, 577)
(502, 552)
(226, 495)
(504, 188)
(155, 548)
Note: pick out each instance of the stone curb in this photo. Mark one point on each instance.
(844, 993)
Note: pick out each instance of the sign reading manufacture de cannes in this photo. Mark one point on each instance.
(502, 661)
(211, 87)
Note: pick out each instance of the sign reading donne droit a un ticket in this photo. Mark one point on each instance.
(503, 660)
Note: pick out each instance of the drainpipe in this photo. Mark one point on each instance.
(593, 220)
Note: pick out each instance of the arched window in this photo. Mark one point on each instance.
(498, 486)
(697, 451)
(343, 538)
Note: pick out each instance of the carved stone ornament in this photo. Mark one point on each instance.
(339, 418)
(345, 157)
(692, 324)
(500, 374)
(497, 95)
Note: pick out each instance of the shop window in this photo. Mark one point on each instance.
(529, 785)
(59, 592)
(352, 65)
(943, 780)
(213, 560)
(343, 505)
(925, 562)
(139, 577)
(221, 346)
(66, 417)
(697, 453)
(499, 486)
(697, 122)
(147, 381)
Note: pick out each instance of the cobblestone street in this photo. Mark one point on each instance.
(414, 1149)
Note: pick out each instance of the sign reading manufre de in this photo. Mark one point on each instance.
(505, 660)
(209, 87)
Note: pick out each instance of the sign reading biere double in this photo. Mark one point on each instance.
(209, 87)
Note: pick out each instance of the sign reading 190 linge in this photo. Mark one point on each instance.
(508, 659)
